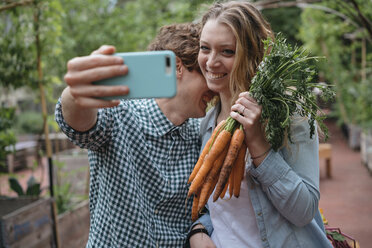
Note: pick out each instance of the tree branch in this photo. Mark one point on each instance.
(273, 4)
(15, 4)
(365, 22)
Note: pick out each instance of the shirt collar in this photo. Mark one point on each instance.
(212, 117)
(162, 125)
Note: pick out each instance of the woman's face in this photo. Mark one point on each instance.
(217, 55)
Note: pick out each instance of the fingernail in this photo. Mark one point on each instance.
(119, 60)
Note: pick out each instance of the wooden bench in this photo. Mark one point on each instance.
(325, 152)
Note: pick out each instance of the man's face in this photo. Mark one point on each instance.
(193, 89)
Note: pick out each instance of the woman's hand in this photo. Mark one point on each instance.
(82, 71)
(250, 114)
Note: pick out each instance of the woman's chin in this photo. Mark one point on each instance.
(218, 88)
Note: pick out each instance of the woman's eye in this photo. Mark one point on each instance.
(203, 48)
(229, 52)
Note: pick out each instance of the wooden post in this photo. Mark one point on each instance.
(45, 117)
(41, 90)
(325, 152)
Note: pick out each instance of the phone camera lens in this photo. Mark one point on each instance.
(167, 61)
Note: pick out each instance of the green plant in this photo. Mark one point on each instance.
(7, 137)
(364, 103)
(63, 196)
(335, 30)
(29, 122)
(63, 193)
(284, 85)
(33, 187)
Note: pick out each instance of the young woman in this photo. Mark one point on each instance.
(278, 203)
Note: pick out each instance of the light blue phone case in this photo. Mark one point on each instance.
(151, 74)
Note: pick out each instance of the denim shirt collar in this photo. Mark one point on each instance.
(211, 117)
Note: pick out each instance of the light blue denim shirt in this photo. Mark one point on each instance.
(284, 190)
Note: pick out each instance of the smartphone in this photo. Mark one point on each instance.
(151, 74)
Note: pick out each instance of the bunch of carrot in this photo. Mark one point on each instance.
(220, 165)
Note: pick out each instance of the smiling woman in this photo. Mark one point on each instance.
(217, 56)
(280, 187)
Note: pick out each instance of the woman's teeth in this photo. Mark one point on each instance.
(215, 75)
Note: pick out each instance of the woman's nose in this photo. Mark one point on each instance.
(212, 60)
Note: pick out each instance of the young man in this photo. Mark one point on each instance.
(141, 151)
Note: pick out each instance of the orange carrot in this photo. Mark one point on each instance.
(211, 180)
(194, 209)
(205, 193)
(224, 191)
(239, 168)
(242, 160)
(205, 151)
(219, 145)
(231, 182)
(235, 144)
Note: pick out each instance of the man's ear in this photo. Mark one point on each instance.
(179, 67)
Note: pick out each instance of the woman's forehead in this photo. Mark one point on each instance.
(217, 32)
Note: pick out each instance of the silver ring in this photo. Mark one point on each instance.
(243, 110)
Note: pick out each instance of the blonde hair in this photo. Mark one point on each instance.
(250, 29)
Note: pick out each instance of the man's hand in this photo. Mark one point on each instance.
(201, 240)
(79, 100)
(82, 71)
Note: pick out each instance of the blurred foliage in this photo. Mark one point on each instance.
(29, 122)
(7, 137)
(335, 31)
(286, 21)
(364, 102)
(129, 25)
(64, 194)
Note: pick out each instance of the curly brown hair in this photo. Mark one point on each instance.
(183, 40)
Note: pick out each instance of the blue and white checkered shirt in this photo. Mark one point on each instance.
(139, 166)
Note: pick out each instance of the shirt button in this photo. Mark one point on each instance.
(156, 211)
(259, 213)
(263, 239)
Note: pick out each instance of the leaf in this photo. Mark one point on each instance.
(283, 85)
(33, 190)
(336, 235)
(15, 186)
(33, 187)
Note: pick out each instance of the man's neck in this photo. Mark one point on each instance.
(171, 110)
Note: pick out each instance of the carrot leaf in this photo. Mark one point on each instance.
(283, 85)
